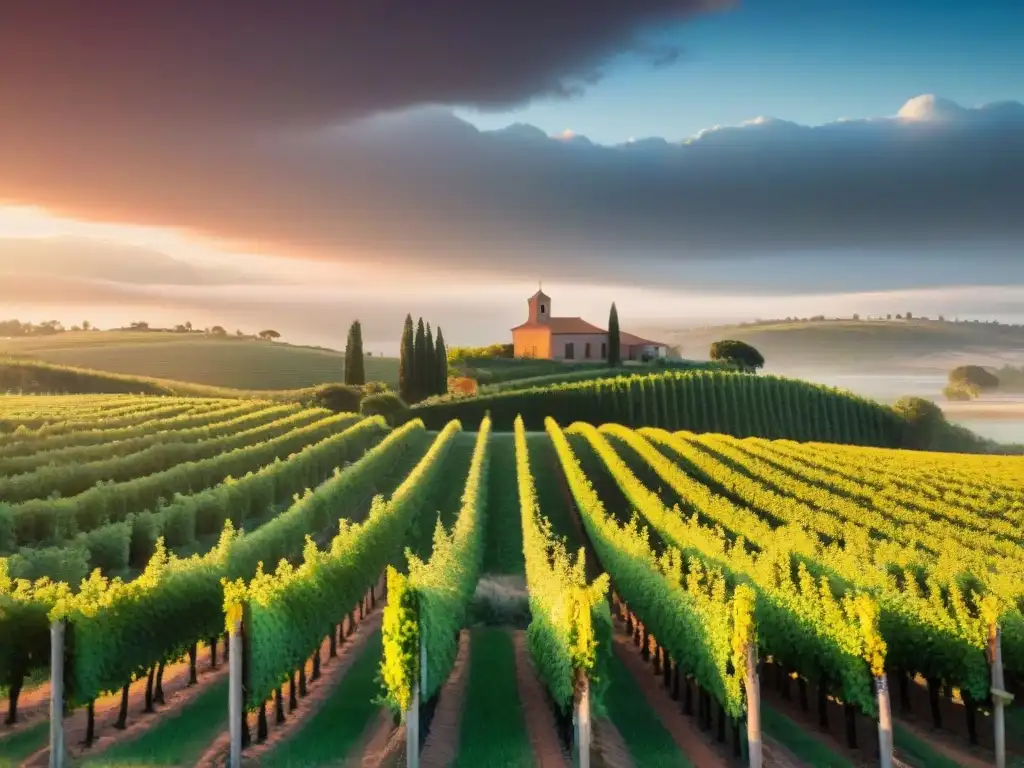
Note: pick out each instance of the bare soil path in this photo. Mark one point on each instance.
(540, 722)
(684, 731)
(442, 743)
(332, 671)
(608, 749)
(177, 694)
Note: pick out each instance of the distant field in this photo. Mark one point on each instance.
(852, 344)
(241, 364)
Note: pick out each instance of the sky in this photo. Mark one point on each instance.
(692, 161)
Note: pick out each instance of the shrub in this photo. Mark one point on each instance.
(973, 376)
(67, 564)
(923, 420)
(961, 391)
(737, 352)
(491, 352)
(340, 398)
(108, 546)
(386, 404)
(462, 385)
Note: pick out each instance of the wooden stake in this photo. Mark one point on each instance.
(581, 721)
(235, 704)
(752, 684)
(885, 739)
(1000, 697)
(57, 756)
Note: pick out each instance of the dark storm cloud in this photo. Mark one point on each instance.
(239, 120)
(201, 64)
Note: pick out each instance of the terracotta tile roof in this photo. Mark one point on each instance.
(629, 340)
(564, 325)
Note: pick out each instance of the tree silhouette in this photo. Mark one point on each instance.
(614, 343)
(441, 364)
(407, 362)
(420, 366)
(355, 372)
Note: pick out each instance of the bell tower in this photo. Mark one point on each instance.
(540, 306)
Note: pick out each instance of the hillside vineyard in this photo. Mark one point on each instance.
(688, 579)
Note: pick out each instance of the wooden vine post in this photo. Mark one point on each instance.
(885, 740)
(57, 754)
(236, 655)
(581, 722)
(1000, 697)
(753, 685)
(412, 717)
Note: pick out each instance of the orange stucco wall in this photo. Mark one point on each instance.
(532, 342)
(579, 342)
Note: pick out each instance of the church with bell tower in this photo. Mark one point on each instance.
(546, 337)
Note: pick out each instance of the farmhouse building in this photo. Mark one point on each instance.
(573, 338)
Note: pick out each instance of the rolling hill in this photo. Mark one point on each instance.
(911, 346)
(197, 358)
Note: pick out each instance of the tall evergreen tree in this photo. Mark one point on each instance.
(407, 362)
(441, 363)
(614, 346)
(420, 365)
(429, 375)
(355, 367)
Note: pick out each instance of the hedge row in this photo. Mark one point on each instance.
(289, 613)
(69, 479)
(703, 621)
(43, 521)
(56, 436)
(116, 546)
(18, 432)
(215, 426)
(118, 630)
(700, 401)
(570, 631)
(429, 604)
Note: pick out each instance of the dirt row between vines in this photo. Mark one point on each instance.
(34, 703)
(949, 743)
(540, 722)
(177, 694)
(332, 671)
(442, 745)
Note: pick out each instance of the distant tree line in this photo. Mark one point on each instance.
(12, 328)
(18, 328)
(903, 316)
(422, 363)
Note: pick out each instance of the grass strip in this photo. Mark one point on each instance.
(553, 496)
(493, 730)
(178, 739)
(333, 730)
(918, 752)
(648, 741)
(798, 741)
(445, 500)
(503, 553)
(15, 748)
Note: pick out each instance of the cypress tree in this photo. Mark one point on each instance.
(420, 364)
(441, 363)
(407, 363)
(430, 370)
(355, 367)
(614, 348)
